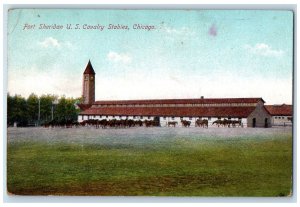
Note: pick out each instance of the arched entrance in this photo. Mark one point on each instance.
(254, 122)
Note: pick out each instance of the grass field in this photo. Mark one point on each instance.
(151, 162)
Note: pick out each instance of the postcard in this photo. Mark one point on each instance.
(112, 102)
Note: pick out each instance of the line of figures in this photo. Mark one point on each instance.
(127, 123)
(103, 123)
(199, 123)
(204, 123)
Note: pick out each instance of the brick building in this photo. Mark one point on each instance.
(250, 111)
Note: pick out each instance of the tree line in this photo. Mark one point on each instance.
(38, 110)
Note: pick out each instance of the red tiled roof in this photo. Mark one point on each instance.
(89, 69)
(171, 111)
(84, 106)
(280, 110)
(183, 101)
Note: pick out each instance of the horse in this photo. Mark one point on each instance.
(218, 122)
(185, 123)
(201, 123)
(149, 123)
(170, 123)
(103, 123)
(238, 123)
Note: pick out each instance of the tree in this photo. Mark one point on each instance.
(25, 111)
(17, 110)
(33, 108)
(66, 110)
(46, 104)
(10, 102)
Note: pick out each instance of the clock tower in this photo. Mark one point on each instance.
(88, 87)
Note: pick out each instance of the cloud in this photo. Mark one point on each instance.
(263, 49)
(68, 45)
(119, 57)
(178, 85)
(179, 31)
(25, 81)
(165, 84)
(182, 33)
(50, 42)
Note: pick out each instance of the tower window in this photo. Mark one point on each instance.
(86, 77)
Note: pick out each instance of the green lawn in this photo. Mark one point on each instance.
(196, 166)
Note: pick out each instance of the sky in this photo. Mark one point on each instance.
(186, 54)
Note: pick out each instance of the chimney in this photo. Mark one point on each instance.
(202, 97)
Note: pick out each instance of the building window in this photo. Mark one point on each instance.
(275, 117)
(106, 116)
(173, 117)
(219, 117)
(181, 118)
(134, 117)
(100, 117)
(190, 118)
(149, 117)
(209, 118)
(141, 117)
(165, 118)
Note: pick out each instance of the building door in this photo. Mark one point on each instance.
(254, 122)
(156, 120)
(266, 122)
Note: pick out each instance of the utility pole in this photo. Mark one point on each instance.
(52, 110)
(54, 102)
(39, 112)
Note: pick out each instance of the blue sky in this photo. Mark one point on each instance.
(210, 53)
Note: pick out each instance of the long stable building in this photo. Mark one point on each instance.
(282, 115)
(251, 111)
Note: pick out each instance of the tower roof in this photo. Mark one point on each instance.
(89, 69)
